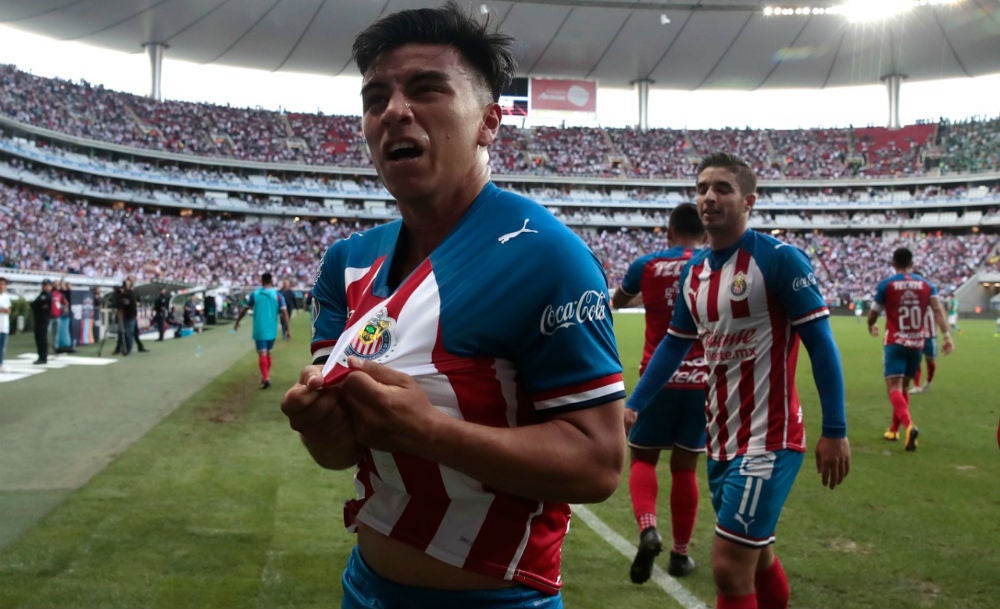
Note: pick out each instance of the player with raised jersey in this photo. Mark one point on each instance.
(464, 360)
(676, 419)
(750, 298)
(905, 297)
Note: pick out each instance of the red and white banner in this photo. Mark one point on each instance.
(559, 97)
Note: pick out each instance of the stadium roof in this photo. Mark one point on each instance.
(706, 44)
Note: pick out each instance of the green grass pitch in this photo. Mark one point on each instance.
(219, 506)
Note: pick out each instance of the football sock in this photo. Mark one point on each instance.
(683, 507)
(264, 366)
(900, 408)
(772, 587)
(916, 377)
(745, 601)
(931, 368)
(643, 487)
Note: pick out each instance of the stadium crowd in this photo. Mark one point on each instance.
(93, 112)
(43, 231)
(58, 225)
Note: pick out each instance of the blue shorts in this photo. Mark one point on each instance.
(264, 345)
(364, 589)
(748, 494)
(674, 417)
(930, 348)
(900, 361)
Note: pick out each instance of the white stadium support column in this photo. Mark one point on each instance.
(893, 83)
(155, 51)
(642, 90)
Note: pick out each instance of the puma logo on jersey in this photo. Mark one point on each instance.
(520, 231)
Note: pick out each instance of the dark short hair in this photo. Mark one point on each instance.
(745, 176)
(685, 220)
(485, 49)
(902, 258)
(265, 278)
(2, 278)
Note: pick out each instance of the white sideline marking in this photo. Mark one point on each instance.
(626, 549)
(21, 367)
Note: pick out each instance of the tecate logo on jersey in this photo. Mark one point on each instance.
(590, 306)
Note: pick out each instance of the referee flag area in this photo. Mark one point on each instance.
(169, 479)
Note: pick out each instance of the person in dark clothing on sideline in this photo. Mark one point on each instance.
(41, 307)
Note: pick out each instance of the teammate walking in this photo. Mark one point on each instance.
(750, 299)
(268, 305)
(905, 297)
(676, 418)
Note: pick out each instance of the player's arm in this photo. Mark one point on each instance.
(283, 314)
(665, 361)
(318, 413)
(833, 451)
(873, 312)
(575, 456)
(941, 319)
(622, 298)
(243, 311)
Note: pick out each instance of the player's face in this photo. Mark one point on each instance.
(723, 207)
(426, 118)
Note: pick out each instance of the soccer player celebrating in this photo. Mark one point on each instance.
(676, 418)
(905, 297)
(476, 391)
(750, 299)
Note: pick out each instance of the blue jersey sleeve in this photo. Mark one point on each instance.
(791, 277)
(632, 281)
(330, 301)
(817, 337)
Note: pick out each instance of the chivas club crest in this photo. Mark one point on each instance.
(739, 288)
(374, 339)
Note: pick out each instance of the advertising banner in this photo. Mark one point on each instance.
(560, 98)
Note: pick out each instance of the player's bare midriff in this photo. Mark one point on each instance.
(407, 565)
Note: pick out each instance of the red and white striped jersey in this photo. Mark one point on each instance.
(743, 303)
(506, 323)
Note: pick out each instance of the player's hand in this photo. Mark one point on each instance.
(320, 416)
(873, 330)
(833, 460)
(389, 409)
(630, 418)
(947, 345)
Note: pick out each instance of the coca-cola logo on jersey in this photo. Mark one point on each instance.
(590, 306)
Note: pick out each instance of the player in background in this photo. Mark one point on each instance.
(268, 305)
(676, 418)
(859, 308)
(953, 312)
(750, 299)
(928, 354)
(906, 298)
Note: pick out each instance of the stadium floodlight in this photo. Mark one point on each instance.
(857, 11)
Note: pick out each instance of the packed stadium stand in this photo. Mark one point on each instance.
(108, 184)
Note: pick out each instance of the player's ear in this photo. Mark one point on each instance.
(749, 201)
(492, 116)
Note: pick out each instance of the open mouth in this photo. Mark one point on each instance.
(403, 150)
